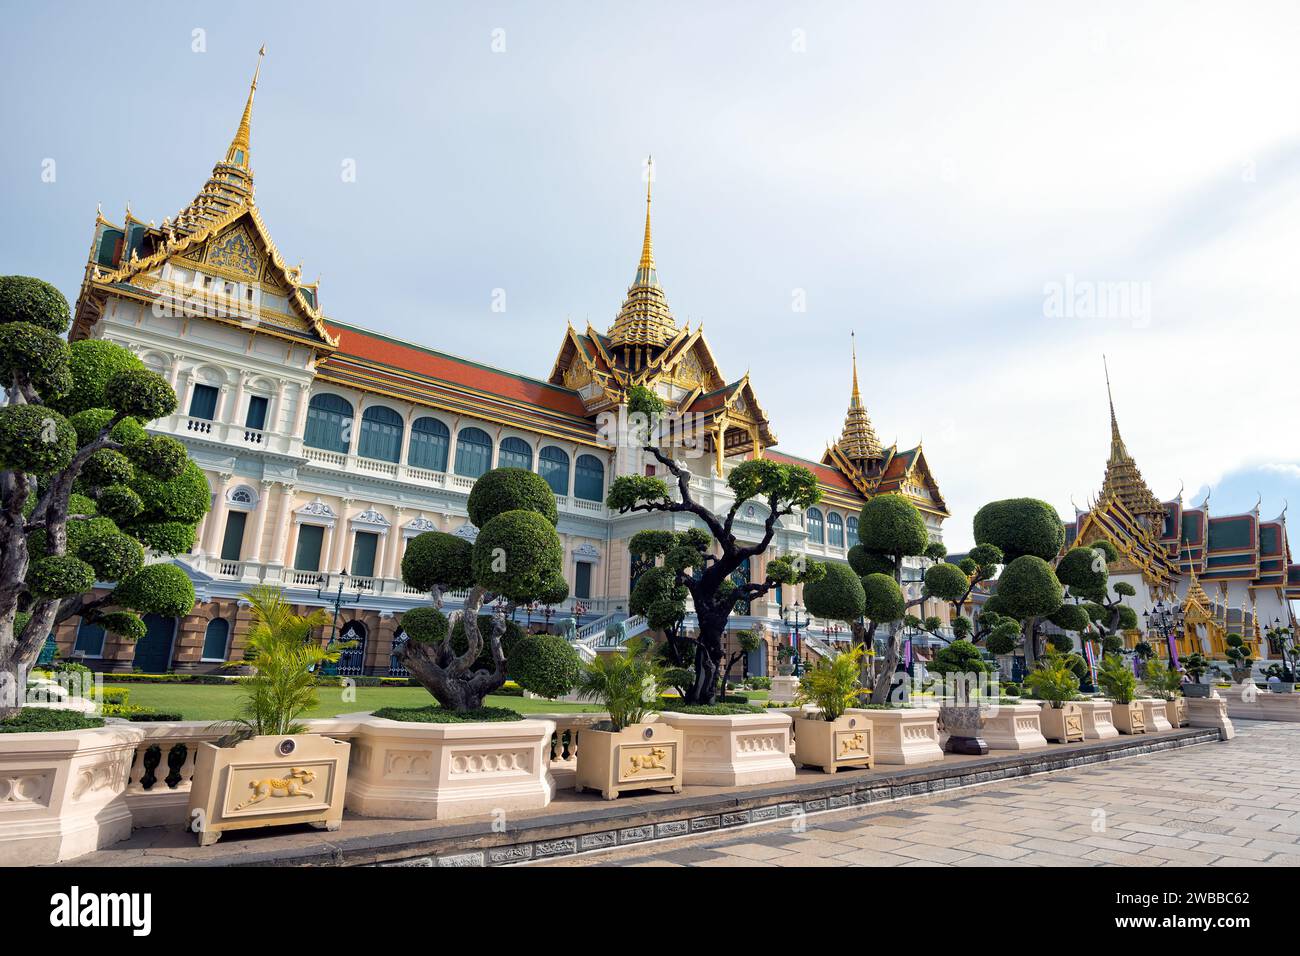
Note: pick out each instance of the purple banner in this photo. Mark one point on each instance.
(907, 653)
(1173, 653)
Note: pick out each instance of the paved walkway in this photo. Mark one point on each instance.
(1230, 804)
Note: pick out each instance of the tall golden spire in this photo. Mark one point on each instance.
(1123, 479)
(644, 319)
(858, 441)
(230, 186)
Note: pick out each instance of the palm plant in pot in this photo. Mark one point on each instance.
(1166, 683)
(837, 736)
(1197, 665)
(962, 713)
(1120, 684)
(267, 770)
(1055, 682)
(627, 751)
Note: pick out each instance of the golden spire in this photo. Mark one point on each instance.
(237, 155)
(645, 319)
(858, 441)
(230, 186)
(1123, 479)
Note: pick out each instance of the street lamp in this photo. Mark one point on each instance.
(790, 615)
(1162, 621)
(338, 602)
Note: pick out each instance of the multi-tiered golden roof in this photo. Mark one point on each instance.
(1123, 479)
(644, 321)
(858, 441)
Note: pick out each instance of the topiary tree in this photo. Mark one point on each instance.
(1240, 656)
(658, 594)
(1085, 571)
(838, 596)
(747, 642)
(706, 573)
(1028, 591)
(546, 664)
(514, 560)
(84, 490)
(1020, 526)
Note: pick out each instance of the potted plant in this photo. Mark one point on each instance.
(1165, 683)
(1196, 666)
(268, 771)
(1287, 670)
(961, 713)
(784, 660)
(1120, 684)
(1239, 657)
(1054, 681)
(626, 752)
(833, 738)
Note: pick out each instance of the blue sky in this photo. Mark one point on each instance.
(923, 174)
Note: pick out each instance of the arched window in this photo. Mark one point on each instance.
(215, 638)
(835, 530)
(473, 452)
(329, 419)
(589, 479)
(816, 526)
(515, 453)
(430, 440)
(381, 434)
(553, 465)
(852, 524)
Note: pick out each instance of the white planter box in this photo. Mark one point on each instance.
(1097, 721)
(1153, 711)
(735, 750)
(784, 689)
(1013, 727)
(61, 794)
(904, 736)
(415, 771)
(1248, 702)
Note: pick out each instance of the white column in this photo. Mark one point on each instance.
(175, 376)
(239, 397)
(283, 521)
(216, 525)
(392, 569)
(327, 548)
(300, 413)
(273, 420)
(220, 414)
(341, 536)
(381, 552)
(356, 427)
(259, 520)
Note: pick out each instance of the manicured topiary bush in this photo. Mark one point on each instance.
(35, 439)
(124, 624)
(160, 588)
(947, 582)
(884, 598)
(891, 524)
(544, 664)
(93, 364)
(142, 394)
(441, 715)
(44, 720)
(59, 576)
(838, 596)
(426, 625)
(37, 353)
(516, 554)
(435, 559)
(1020, 526)
(510, 489)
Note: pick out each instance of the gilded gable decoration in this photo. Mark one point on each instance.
(235, 252)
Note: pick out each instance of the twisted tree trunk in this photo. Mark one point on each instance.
(451, 678)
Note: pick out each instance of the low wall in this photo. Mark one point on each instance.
(1248, 702)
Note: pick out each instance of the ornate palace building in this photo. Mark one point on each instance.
(328, 446)
(1221, 574)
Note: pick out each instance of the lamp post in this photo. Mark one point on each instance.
(790, 615)
(1162, 620)
(332, 669)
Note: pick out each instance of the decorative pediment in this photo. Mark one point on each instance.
(372, 520)
(586, 552)
(419, 526)
(235, 252)
(467, 531)
(316, 512)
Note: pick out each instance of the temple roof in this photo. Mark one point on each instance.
(858, 440)
(1123, 479)
(644, 319)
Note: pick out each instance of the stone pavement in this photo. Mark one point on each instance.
(1230, 804)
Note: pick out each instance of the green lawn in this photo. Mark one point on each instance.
(214, 702)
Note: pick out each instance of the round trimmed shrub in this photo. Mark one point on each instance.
(1083, 571)
(185, 498)
(112, 554)
(93, 364)
(1071, 617)
(837, 596)
(120, 502)
(425, 625)
(1028, 587)
(510, 489)
(123, 624)
(545, 664)
(159, 456)
(37, 354)
(1002, 640)
(1020, 526)
(866, 562)
(946, 582)
(142, 394)
(157, 589)
(659, 598)
(35, 439)
(892, 524)
(555, 591)
(27, 299)
(516, 555)
(59, 576)
(165, 537)
(437, 559)
(884, 598)
(107, 467)
(1112, 644)
(1061, 642)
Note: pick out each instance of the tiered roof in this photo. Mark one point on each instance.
(644, 321)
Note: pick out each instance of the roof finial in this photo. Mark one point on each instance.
(238, 153)
(1116, 443)
(853, 345)
(647, 264)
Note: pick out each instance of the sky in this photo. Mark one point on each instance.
(992, 196)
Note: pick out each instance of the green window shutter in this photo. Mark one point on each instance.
(203, 404)
(90, 640)
(232, 545)
(256, 413)
(582, 580)
(363, 554)
(307, 556)
(215, 638)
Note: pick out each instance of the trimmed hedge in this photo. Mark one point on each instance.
(28, 299)
(510, 489)
(713, 710)
(35, 439)
(545, 664)
(41, 720)
(94, 363)
(433, 714)
(437, 559)
(516, 555)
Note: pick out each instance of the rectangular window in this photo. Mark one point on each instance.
(232, 545)
(204, 403)
(582, 580)
(90, 640)
(363, 554)
(307, 557)
(256, 413)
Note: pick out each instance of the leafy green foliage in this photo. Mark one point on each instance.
(112, 554)
(833, 684)
(891, 525)
(511, 636)
(1053, 680)
(1162, 681)
(156, 589)
(35, 439)
(34, 301)
(959, 658)
(141, 394)
(626, 685)
(642, 401)
(158, 456)
(1112, 644)
(425, 625)
(510, 489)
(947, 582)
(628, 491)
(1083, 571)
(545, 664)
(837, 596)
(59, 576)
(1196, 665)
(884, 601)
(435, 559)
(866, 562)
(1028, 587)
(124, 624)
(43, 720)
(1071, 617)
(516, 554)
(93, 364)
(35, 356)
(660, 598)
(1117, 679)
(773, 481)
(1020, 526)
(432, 714)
